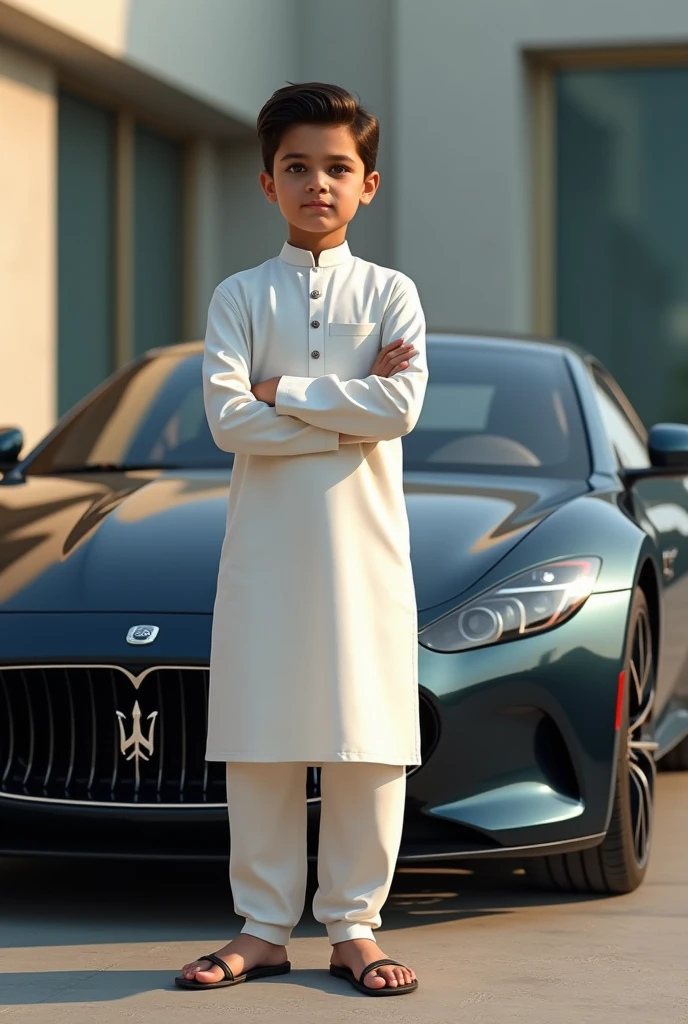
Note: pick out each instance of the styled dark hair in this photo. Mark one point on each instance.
(316, 103)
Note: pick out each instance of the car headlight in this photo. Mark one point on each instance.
(531, 602)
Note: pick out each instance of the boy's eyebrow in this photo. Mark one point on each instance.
(304, 156)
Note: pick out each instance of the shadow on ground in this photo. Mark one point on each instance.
(57, 902)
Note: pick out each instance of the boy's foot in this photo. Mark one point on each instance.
(358, 953)
(241, 954)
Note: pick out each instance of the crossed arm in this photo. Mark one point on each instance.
(310, 414)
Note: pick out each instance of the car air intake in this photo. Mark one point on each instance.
(105, 735)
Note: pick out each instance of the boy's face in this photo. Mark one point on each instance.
(318, 179)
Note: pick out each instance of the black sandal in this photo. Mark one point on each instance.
(348, 975)
(229, 978)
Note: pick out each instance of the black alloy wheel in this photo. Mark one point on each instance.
(619, 863)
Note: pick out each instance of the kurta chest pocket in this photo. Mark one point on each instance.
(351, 349)
(357, 331)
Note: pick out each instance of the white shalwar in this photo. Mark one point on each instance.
(314, 644)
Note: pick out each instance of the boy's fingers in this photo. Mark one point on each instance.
(392, 345)
(401, 354)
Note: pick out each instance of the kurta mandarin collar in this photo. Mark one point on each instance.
(304, 257)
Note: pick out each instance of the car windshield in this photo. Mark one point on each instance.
(489, 407)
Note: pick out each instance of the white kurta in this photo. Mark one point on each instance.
(314, 644)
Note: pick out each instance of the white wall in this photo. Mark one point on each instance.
(230, 53)
(462, 149)
(27, 245)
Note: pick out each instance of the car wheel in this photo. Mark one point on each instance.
(676, 760)
(619, 863)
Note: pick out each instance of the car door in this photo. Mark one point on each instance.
(660, 507)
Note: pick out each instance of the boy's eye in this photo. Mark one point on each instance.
(296, 167)
(339, 169)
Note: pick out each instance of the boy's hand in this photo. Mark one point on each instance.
(266, 391)
(391, 358)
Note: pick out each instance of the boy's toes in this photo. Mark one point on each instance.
(195, 971)
(205, 977)
(374, 980)
(394, 977)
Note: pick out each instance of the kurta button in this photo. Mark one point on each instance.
(315, 354)
(315, 294)
(315, 323)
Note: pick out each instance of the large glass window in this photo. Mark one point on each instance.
(158, 229)
(120, 243)
(86, 247)
(622, 225)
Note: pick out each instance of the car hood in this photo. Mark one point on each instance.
(146, 542)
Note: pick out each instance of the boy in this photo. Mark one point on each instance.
(314, 368)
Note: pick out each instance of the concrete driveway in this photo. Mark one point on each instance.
(100, 943)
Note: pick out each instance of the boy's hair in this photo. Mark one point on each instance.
(317, 103)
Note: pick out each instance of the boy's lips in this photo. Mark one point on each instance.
(319, 205)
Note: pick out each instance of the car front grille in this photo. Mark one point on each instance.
(107, 735)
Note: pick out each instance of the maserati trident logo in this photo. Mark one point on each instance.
(142, 634)
(137, 740)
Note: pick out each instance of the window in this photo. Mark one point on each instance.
(628, 442)
(498, 407)
(86, 248)
(120, 243)
(158, 231)
(621, 229)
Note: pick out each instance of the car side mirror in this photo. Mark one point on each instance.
(11, 444)
(668, 446)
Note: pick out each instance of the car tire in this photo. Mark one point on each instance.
(676, 759)
(619, 863)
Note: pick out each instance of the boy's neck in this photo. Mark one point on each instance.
(316, 243)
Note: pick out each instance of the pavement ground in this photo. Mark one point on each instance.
(91, 942)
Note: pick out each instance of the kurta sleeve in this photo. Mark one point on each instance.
(376, 408)
(238, 421)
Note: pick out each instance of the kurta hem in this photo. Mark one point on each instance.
(272, 756)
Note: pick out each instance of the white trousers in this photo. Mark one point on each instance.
(362, 815)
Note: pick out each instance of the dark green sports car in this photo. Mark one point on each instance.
(550, 551)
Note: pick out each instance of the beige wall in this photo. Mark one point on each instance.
(27, 244)
(228, 53)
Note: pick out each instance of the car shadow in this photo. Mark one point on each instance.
(53, 903)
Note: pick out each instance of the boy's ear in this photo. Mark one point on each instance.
(267, 183)
(370, 187)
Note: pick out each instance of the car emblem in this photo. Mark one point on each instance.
(142, 634)
(137, 740)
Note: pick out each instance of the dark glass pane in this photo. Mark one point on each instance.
(158, 240)
(488, 408)
(151, 415)
(85, 206)
(622, 222)
(498, 407)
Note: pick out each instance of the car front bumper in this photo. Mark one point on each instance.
(522, 750)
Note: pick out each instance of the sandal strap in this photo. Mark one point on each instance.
(375, 965)
(225, 968)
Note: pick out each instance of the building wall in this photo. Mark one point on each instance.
(352, 44)
(27, 244)
(229, 53)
